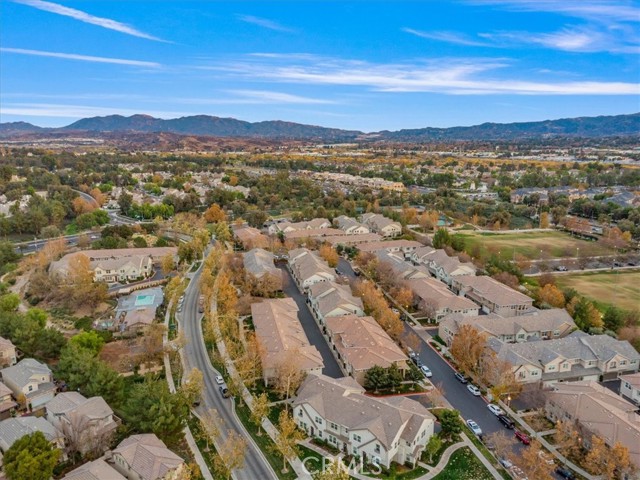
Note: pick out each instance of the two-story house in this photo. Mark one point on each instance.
(87, 422)
(435, 300)
(308, 268)
(30, 381)
(492, 296)
(576, 357)
(377, 430)
(630, 387)
(330, 299)
(13, 429)
(445, 268)
(381, 225)
(7, 403)
(350, 225)
(146, 457)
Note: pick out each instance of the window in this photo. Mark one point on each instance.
(355, 451)
(377, 449)
(30, 388)
(534, 373)
(300, 412)
(551, 367)
(556, 333)
(613, 364)
(623, 362)
(357, 438)
(334, 426)
(318, 420)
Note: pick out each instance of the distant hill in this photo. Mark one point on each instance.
(18, 127)
(205, 125)
(589, 127)
(213, 126)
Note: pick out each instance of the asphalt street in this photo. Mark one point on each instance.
(195, 355)
(309, 325)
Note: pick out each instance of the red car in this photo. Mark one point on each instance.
(523, 437)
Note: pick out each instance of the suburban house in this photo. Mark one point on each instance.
(597, 411)
(313, 233)
(286, 227)
(89, 422)
(352, 240)
(405, 247)
(30, 379)
(420, 256)
(381, 225)
(260, 265)
(435, 300)
(250, 237)
(308, 268)
(330, 299)
(7, 353)
(538, 325)
(13, 429)
(115, 265)
(401, 269)
(630, 387)
(282, 338)
(378, 430)
(146, 457)
(7, 404)
(96, 470)
(578, 356)
(492, 295)
(350, 226)
(360, 343)
(445, 268)
(136, 311)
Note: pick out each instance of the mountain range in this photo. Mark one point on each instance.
(206, 125)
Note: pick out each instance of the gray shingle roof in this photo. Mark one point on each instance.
(13, 429)
(148, 456)
(21, 372)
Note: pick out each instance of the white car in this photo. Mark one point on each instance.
(425, 370)
(219, 380)
(475, 428)
(506, 463)
(473, 389)
(495, 409)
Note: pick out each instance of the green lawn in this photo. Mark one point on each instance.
(464, 465)
(530, 245)
(620, 288)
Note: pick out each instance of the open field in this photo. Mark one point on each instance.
(531, 245)
(618, 288)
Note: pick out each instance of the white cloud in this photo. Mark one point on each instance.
(265, 96)
(598, 10)
(83, 58)
(265, 23)
(448, 37)
(87, 18)
(446, 75)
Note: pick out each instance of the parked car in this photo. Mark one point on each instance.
(474, 390)
(495, 409)
(395, 310)
(506, 421)
(224, 391)
(219, 379)
(523, 437)
(561, 268)
(564, 472)
(425, 370)
(475, 428)
(461, 378)
(506, 463)
(517, 473)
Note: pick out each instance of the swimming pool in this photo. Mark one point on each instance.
(143, 300)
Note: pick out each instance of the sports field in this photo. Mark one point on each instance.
(531, 245)
(619, 288)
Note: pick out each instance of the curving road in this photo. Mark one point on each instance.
(194, 354)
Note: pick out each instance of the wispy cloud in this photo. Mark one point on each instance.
(598, 10)
(448, 37)
(265, 96)
(265, 23)
(87, 18)
(445, 75)
(82, 58)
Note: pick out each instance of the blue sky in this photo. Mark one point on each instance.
(366, 65)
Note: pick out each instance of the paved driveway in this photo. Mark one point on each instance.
(310, 327)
